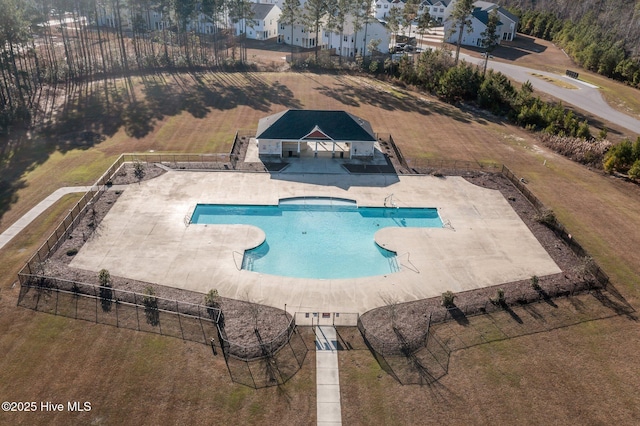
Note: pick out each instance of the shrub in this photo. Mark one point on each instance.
(459, 83)
(500, 298)
(546, 217)
(72, 252)
(621, 157)
(106, 293)
(634, 171)
(150, 302)
(448, 299)
(212, 301)
(138, 170)
(535, 283)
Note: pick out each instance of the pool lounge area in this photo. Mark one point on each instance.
(146, 236)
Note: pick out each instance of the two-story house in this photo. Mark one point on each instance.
(263, 25)
(479, 17)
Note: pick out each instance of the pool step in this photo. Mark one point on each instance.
(393, 264)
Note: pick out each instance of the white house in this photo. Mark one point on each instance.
(107, 16)
(352, 42)
(437, 9)
(355, 43)
(295, 133)
(479, 19)
(383, 7)
(264, 24)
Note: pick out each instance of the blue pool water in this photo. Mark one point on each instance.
(321, 240)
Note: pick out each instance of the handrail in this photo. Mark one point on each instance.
(447, 224)
(233, 254)
(415, 269)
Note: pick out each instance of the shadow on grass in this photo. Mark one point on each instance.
(272, 369)
(350, 93)
(93, 111)
(428, 363)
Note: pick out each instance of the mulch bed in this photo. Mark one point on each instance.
(409, 318)
(240, 317)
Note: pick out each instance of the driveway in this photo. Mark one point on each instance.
(585, 96)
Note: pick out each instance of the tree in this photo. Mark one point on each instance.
(314, 12)
(337, 12)
(409, 13)
(241, 12)
(460, 16)
(393, 22)
(367, 19)
(490, 37)
(291, 15)
(424, 24)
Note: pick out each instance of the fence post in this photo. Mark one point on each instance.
(179, 320)
(135, 302)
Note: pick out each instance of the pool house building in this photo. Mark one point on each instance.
(301, 133)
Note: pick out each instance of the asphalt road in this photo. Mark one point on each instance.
(585, 96)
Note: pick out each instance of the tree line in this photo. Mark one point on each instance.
(58, 43)
(604, 38)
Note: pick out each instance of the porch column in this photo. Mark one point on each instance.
(298, 148)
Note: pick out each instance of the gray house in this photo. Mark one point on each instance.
(296, 133)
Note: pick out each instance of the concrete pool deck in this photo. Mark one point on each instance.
(145, 237)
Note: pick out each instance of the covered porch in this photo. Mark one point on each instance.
(319, 149)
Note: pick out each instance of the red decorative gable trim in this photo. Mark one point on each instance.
(317, 134)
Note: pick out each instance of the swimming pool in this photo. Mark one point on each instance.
(318, 238)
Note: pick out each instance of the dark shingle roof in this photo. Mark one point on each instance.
(295, 124)
(261, 10)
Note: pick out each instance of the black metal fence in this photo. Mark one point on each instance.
(561, 232)
(119, 308)
(268, 363)
(397, 346)
(449, 167)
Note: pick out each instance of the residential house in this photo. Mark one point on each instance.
(479, 19)
(438, 9)
(354, 43)
(107, 16)
(263, 25)
(295, 133)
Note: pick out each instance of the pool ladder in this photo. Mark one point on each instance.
(393, 264)
(388, 201)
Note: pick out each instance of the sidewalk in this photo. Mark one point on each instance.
(32, 214)
(327, 377)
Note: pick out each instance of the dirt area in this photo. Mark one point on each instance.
(241, 317)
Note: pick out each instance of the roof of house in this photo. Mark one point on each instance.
(296, 124)
(261, 10)
(488, 6)
(481, 15)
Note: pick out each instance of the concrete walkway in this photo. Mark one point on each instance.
(327, 377)
(32, 214)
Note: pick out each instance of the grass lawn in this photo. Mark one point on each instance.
(577, 374)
